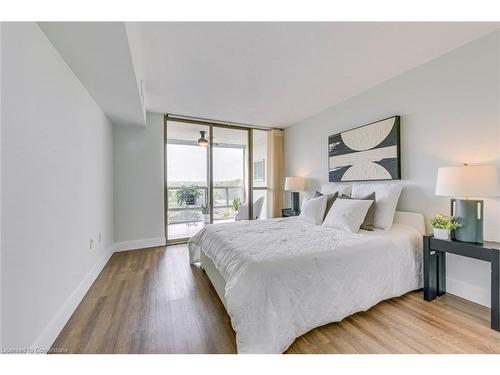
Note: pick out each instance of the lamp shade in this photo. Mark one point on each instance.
(468, 181)
(295, 183)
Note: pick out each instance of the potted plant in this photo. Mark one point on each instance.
(236, 203)
(442, 226)
(187, 195)
(206, 214)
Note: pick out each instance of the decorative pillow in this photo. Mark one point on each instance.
(347, 214)
(335, 187)
(330, 198)
(368, 222)
(387, 199)
(313, 209)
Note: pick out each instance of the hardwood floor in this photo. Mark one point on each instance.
(153, 301)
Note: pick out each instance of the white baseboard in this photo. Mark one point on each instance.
(47, 337)
(468, 291)
(139, 244)
(45, 340)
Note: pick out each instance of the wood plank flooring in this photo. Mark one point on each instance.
(153, 301)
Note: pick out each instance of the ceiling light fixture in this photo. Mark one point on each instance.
(203, 141)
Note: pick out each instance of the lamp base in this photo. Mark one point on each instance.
(295, 201)
(469, 213)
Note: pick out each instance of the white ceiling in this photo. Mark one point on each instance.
(275, 74)
(101, 54)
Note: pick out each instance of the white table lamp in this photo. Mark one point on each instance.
(464, 182)
(295, 184)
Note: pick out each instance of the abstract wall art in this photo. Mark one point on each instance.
(367, 153)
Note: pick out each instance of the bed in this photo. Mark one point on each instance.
(280, 278)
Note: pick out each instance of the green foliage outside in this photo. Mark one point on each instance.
(186, 194)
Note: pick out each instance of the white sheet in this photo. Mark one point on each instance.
(285, 277)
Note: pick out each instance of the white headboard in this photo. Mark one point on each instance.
(412, 219)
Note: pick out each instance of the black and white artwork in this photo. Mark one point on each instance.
(370, 152)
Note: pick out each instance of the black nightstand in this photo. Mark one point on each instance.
(288, 212)
(435, 268)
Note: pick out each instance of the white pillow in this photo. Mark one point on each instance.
(313, 209)
(386, 200)
(347, 214)
(334, 187)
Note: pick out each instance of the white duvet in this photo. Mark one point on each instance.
(285, 277)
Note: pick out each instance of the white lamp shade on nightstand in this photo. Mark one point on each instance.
(295, 183)
(468, 181)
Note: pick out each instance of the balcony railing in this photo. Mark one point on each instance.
(223, 207)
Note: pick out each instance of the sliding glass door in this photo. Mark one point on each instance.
(230, 174)
(187, 179)
(209, 176)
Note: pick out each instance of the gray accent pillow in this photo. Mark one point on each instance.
(368, 222)
(330, 198)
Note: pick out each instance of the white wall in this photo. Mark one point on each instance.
(138, 185)
(1, 50)
(450, 113)
(56, 169)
